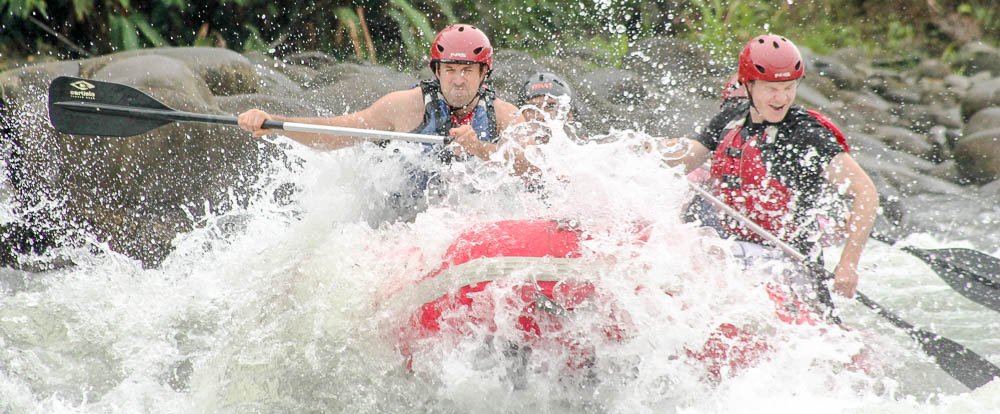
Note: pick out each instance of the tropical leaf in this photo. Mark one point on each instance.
(447, 8)
(82, 8)
(123, 33)
(254, 41)
(417, 20)
(151, 34)
(406, 35)
(24, 8)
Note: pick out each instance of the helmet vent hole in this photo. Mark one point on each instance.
(461, 28)
(798, 65)
(775, 45)
(440, 48)
(477, 50)
(761, 41)
(760, 69)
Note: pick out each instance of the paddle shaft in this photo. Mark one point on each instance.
(961, 363)
(181, 116)
(822, 292)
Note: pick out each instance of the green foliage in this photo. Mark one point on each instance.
(401, 30)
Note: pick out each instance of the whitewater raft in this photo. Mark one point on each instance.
(529, 268)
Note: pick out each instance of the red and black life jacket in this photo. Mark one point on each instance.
(743, 182)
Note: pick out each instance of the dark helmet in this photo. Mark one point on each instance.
(770, 58)
(733, 90)
(542, 83)
(461, 43)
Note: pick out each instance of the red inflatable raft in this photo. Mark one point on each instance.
(459, 297)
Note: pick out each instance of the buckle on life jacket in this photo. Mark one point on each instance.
(731, 181)
(734, 152)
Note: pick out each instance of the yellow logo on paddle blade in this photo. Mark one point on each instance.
(82, 85)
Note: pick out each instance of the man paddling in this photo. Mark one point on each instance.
(771, 161)
(455, 104)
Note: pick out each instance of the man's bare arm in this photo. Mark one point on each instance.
(843, 172)
(682, 151)
(386, 114)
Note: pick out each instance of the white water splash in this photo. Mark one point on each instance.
(291, 307)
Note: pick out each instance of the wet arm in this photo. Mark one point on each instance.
(844, 172)
(682, 151)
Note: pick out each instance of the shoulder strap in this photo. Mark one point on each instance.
(828, 124)
(488, 97)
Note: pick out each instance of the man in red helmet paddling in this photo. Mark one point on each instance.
(455, 103)
(773, 161)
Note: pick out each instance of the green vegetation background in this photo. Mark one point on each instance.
(399, 31)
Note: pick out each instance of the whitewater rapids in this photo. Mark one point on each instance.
(290, 305)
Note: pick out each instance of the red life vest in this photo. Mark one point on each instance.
(828, 124)
(742, 181)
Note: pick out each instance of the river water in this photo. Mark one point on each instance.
(294, 305)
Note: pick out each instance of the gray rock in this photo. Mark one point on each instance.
(982, 94)
(906, 181)
(936, 92)
(905, 140)
(350, 87)
(132, 193)
(975, 57)
(655, 55)
(843, 76)
(958, 83)
(290, 105)
(978, 156)
(947, 171)
(864, 111)
(615, 85)
(938, 136)
(310, 59)
(224, 71)
(932, 68)
(894, 90)
(812, 98)
(511, 67)
(918, 118)
(986, 118)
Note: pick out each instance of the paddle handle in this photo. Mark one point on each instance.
(181, 116)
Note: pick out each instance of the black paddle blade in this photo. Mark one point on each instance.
(75, 107)
(973, 274)
(960, 362)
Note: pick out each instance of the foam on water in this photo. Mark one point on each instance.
(294, 307)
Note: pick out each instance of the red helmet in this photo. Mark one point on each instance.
(461, 43)
(770, 58)
(733, 89)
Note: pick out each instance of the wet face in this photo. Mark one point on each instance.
(460, 82)
(771, 99)
(545, 107)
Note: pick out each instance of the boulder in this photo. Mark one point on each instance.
(905, 140)
(982, 94)
(224, 71)
(978, 156)
(932, 68)
(976, 57)
(133, 193)
(349, 87)
(615, 85)
(511, 68)
(842, 75)
(986, 118)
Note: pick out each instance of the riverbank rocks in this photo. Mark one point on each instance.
(133, 193)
